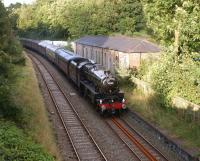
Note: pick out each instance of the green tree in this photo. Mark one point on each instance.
(131, 17)
(69, 18)
(12, 10)
(10, 54)
(175, 22)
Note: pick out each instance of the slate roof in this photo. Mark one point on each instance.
(120, 43)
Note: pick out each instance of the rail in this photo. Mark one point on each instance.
(81, 139)
(137, 143)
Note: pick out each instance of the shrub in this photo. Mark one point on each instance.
(177, 76)
(16, 146)
(124, 78)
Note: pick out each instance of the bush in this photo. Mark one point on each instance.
(177, 76)
(16, 146)
(144, 70)
(7, 80)
(124, 78)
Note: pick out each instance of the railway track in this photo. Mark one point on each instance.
(141, 148)
(81, 139)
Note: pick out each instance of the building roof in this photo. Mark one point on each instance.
(120, 43)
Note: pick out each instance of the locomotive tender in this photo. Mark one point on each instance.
(96, 84)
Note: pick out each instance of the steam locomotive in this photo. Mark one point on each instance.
(98, 85)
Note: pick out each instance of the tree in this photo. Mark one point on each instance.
(175, 22)
(5, 28)
(131, 17)
(12, 9)
(69, 18)
(187, 25)
(10, 53)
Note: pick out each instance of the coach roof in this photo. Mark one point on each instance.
(120, 43)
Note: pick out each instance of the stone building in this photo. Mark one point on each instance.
(116, 51)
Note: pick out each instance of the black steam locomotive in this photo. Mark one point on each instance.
(98, 85)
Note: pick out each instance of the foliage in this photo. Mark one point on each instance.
(159, 15)
(177, 78)
(124, 78)
(15, 145)
(175, 22)
(144, 70)
(32, 118)
(10, 54)
(187, 21)
(69, 47)
(71, 19)
(13, 15)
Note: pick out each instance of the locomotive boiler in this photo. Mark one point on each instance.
(103, 81)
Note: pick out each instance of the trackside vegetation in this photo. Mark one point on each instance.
(15, 145)
(178, 124)
(19, 131)
(177, 72)
(174, 24)
(35, 120)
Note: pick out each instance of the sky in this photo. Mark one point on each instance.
(8, 2)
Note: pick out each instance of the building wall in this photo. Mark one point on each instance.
(111, 59)
(135, 60)
(79, 49)
(123, 60)
(96, 54)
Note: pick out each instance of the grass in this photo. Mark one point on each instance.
(27, 95)
(165, 118)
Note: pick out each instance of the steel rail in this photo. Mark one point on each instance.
(141, 136)
(57, 108)
(128, 146)
(73, 108)
(134, 140)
